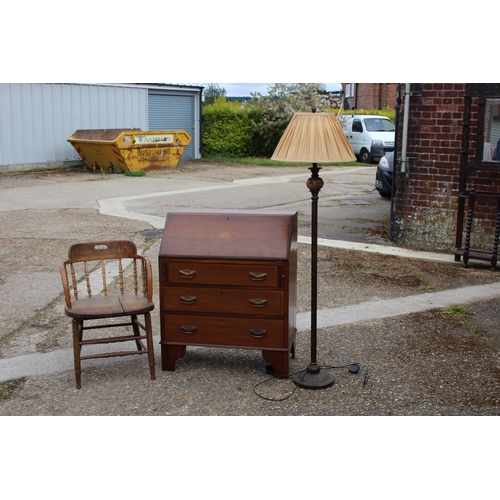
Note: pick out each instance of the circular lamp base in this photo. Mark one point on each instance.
(313, 378)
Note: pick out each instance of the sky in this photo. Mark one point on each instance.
(244, 89)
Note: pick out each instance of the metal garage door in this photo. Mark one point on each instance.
(172, 112)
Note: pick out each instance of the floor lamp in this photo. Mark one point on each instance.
(315, 138)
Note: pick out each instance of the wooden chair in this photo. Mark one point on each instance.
(131, 294)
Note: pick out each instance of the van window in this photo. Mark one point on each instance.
(379, 125)
(356, 126)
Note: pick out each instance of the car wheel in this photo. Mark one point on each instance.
(385, 194)
(364, 156)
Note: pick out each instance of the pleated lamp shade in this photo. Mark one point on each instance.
(314, 138)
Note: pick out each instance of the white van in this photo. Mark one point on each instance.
(370, 136)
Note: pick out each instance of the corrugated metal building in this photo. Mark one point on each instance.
(36, 119)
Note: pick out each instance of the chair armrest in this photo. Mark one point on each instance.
(149, 276)
(65, 283)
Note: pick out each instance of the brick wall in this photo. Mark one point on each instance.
(391, 95)
(426, 203)
(374, 95)
(367, 95)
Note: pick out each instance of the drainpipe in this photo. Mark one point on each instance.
(394, 170)
(201, 121)
(404, 167)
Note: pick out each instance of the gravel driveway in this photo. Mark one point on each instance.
(427, 363)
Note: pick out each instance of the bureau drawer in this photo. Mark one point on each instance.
(218, 300)
(218, 331)
(258, 275)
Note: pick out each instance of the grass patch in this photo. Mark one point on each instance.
(139, 173)
(8, 388)
(458, 310)
(267, 162)
(463, 313)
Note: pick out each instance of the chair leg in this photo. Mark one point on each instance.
(149, 340)
(137, 332)
(77, 338)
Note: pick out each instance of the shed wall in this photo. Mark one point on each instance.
(36, 119)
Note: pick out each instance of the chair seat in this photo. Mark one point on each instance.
(109, 306)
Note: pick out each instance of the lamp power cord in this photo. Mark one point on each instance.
(353, 368)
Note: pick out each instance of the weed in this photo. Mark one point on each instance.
(456, 309)
(113, 169)
(130, 173)
(103, 170)
(147, 245)
(462, 313)
(430, 287)
(7, 388)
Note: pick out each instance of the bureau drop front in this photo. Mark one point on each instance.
(228, 278)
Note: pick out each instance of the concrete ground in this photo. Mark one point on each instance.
(380, 306)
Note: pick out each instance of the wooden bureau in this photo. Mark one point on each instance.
(229, 279)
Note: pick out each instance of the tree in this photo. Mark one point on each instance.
(278, 107)
(292, 97)
(212, 91)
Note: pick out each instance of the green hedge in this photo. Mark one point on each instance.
(227, 129)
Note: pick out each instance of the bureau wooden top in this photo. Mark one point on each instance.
(229, 234)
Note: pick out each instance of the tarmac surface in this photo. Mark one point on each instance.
(381, 306)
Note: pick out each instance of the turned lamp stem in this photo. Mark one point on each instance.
(314, 183)
(313, 377)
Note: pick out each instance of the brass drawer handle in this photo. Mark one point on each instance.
(258, 334)
(187, 273)
(256, 276)
(258, 302)
(188, 329)
(188, 299)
